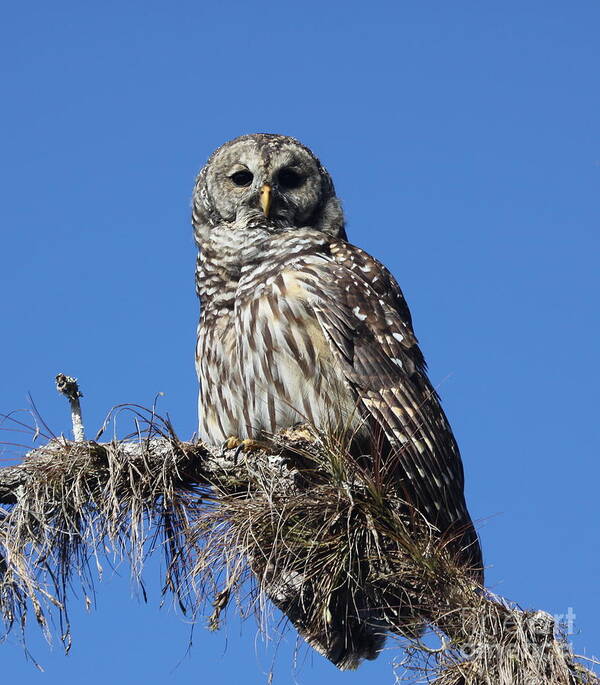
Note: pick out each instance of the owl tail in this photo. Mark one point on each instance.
(347, 628)
(346, 648)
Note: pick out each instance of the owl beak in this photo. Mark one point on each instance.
(265, 198)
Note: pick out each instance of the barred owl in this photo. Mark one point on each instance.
(300, 326)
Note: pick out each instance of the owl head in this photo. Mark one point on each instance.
(266, 182)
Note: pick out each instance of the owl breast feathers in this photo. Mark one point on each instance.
(299, 326)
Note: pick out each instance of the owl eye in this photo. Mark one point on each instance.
(288, 178)
(242, 178)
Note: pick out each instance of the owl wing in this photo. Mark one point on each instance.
(364, 316)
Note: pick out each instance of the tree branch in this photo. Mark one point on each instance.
(224, 516)
(192, 462)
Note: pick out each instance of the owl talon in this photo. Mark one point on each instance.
(231, 443)
(247, 445)
(236, 455)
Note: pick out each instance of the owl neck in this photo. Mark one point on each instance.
(230, 254)
(221, 259)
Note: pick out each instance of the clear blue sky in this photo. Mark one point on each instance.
(463, 140)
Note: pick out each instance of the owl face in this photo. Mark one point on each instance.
(265, 181)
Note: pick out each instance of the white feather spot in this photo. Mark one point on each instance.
(420, 446)
(359, 314)
(398, 337)
(397, 361)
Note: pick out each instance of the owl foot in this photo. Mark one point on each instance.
(246, 445)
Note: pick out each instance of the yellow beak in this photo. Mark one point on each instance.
(265, 199)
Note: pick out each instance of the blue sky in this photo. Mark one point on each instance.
(463, 140)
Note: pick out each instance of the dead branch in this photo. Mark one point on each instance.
(67, 386)
(301, 511)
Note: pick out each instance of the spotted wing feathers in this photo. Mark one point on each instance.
(363, 312)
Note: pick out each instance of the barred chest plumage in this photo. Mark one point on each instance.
(262, 358)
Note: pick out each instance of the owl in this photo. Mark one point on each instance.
(300, 326)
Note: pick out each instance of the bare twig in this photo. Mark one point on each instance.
(67, 386)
